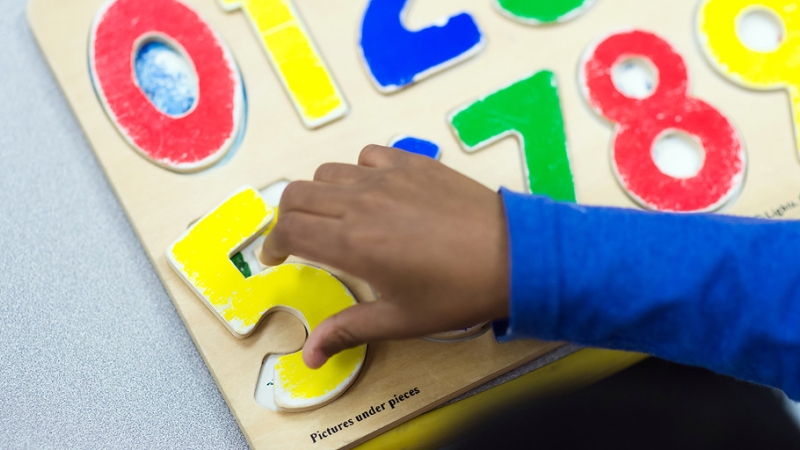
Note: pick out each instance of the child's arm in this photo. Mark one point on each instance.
(707, 290)
(713, 291)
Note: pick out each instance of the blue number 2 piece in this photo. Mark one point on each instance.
(397, 57)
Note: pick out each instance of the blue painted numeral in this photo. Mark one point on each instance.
(417, 146)
(397, 57)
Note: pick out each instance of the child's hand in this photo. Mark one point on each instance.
(431, 241)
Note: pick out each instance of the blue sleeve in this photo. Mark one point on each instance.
(706, 290)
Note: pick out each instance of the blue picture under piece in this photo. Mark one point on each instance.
(166, 78)
(417, 146)
(397, 57)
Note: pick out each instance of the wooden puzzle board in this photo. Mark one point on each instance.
(161, 204)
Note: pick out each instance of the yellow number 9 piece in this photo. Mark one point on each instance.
(779, 68)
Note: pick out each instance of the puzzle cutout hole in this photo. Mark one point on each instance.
(678, 155)
(265, 392)
(246, 260)
(167, 77)
(264, 395)
(635, 77)
(760, 29)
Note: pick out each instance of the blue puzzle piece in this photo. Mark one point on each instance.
(397, 57)
(418, 147)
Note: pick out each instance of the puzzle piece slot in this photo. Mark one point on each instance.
(247, 260)
(166, 77)
(265, 389)
(760, 30)
(635, 77)
(679, 155)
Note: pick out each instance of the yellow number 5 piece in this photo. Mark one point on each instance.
(201, 257)
(718, 23)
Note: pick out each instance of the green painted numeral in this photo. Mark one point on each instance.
(544, 11)
(531, 110)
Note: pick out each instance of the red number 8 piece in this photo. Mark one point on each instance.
(396, 58)
(641, 122)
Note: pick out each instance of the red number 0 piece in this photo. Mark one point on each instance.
(195, 140)
(641, 122)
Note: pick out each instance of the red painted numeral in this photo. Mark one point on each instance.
(190, 142)
(641, 122)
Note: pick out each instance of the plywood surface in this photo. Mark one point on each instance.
(161, 204)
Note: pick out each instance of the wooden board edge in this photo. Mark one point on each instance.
(30, 13)
(32, 16)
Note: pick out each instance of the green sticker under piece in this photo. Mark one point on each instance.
(531, 109)
(241, 264)
(544, 11)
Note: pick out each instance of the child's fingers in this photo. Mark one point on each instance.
(380, 157)
(305, 235)
(338, 173)
(366, 322)
(321, 199)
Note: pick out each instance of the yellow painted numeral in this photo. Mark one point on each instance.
(296, 60)
(202, 258)
(765, 70)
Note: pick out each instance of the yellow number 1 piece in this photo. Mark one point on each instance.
(296, 60)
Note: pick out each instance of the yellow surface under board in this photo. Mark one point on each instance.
(433, 429)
